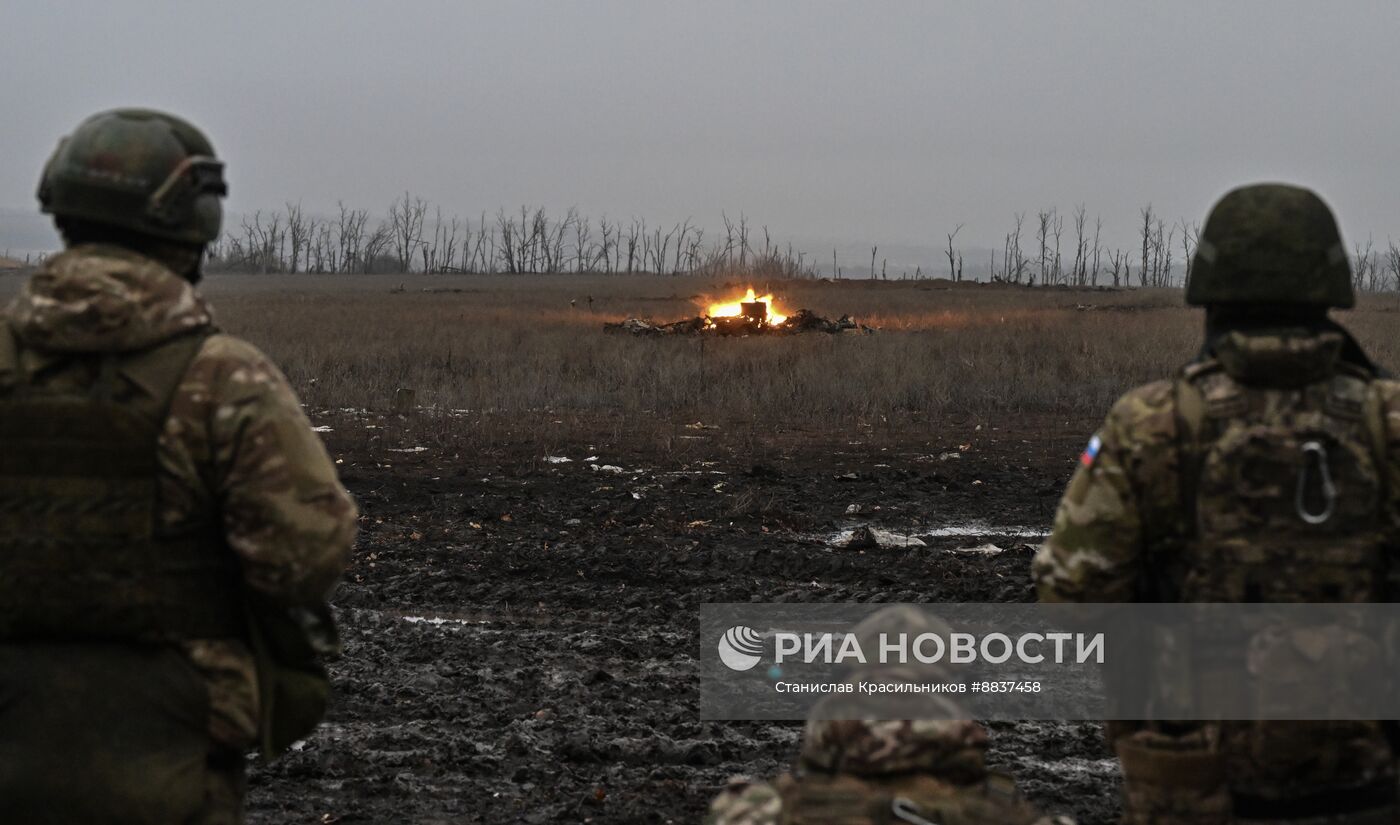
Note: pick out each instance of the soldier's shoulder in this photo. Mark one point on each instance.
(1145, 413)
(1388, 389)
(745, 801)
(229, 367)
(230, 349)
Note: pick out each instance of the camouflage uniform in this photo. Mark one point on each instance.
(1265, 471)
(93, 728)
(856, 769)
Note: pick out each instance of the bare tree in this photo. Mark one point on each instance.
(1013, 261)
(376, 244)
(1147, 218)
(350, 236)
(1118, 260)
(264, 242)
(1078, 274)
(636, 230)
(406, 228)
(1190, 239)
(1094, 275)
(1392, 265)
(297, 232)
(1165, 244)
(952, 271)
(1364, 263)
(1042, 236)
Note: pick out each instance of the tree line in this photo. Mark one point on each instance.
(414, 236)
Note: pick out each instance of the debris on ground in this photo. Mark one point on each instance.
(750, 314)
(988, 549)
(872, 538)
(804, 320)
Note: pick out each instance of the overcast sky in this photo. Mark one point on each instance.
(830, 122)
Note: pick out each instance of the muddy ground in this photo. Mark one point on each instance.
(520, 634)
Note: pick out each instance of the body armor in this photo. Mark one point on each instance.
(1281, 500)
(1281, 491)
(82, 555)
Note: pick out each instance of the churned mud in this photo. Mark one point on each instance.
(520, 630)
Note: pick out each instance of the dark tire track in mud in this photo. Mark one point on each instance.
(520, 636)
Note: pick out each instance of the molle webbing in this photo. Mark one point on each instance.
(80, 555)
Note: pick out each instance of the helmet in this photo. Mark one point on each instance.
(908, 620)
(143, 171)
(1271, 244)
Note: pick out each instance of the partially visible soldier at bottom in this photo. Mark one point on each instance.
(855, 768)
(1264, 471)
(170, 526)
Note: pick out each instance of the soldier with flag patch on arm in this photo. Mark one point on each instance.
(170, 526)
(1266, 470)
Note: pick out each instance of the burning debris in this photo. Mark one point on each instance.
(751, 315)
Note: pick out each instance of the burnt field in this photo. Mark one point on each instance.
(520, 629)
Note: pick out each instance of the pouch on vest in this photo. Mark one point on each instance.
(293, 686)
(1172, 779)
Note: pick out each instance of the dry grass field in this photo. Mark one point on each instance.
(532, 349)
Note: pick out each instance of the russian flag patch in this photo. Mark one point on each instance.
(1091, 452)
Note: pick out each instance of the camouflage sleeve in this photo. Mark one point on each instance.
(284, 511)
(1388, 392)
(1094, 552)
(745, 802)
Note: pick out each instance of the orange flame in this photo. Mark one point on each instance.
(735, 309)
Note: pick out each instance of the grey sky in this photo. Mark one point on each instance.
(830, 122)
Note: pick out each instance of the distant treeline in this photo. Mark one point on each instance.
(417, 237)
(413, 239)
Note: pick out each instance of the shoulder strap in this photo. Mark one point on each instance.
(1374, 415)
(1190, 420)
(159, 371)
(9, 357)
(1190, 415)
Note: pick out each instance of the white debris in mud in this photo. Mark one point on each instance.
(408, 449)
(558, 459)
(606, 468)
(988, 549)
(913, 536)
(321, 429)
(864, 537)
(975, 529)
(438, 621)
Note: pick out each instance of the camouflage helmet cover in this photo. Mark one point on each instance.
(140, 170)
(1271, 244)
(894, 620)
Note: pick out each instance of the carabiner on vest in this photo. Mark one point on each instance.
(1315, 454)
